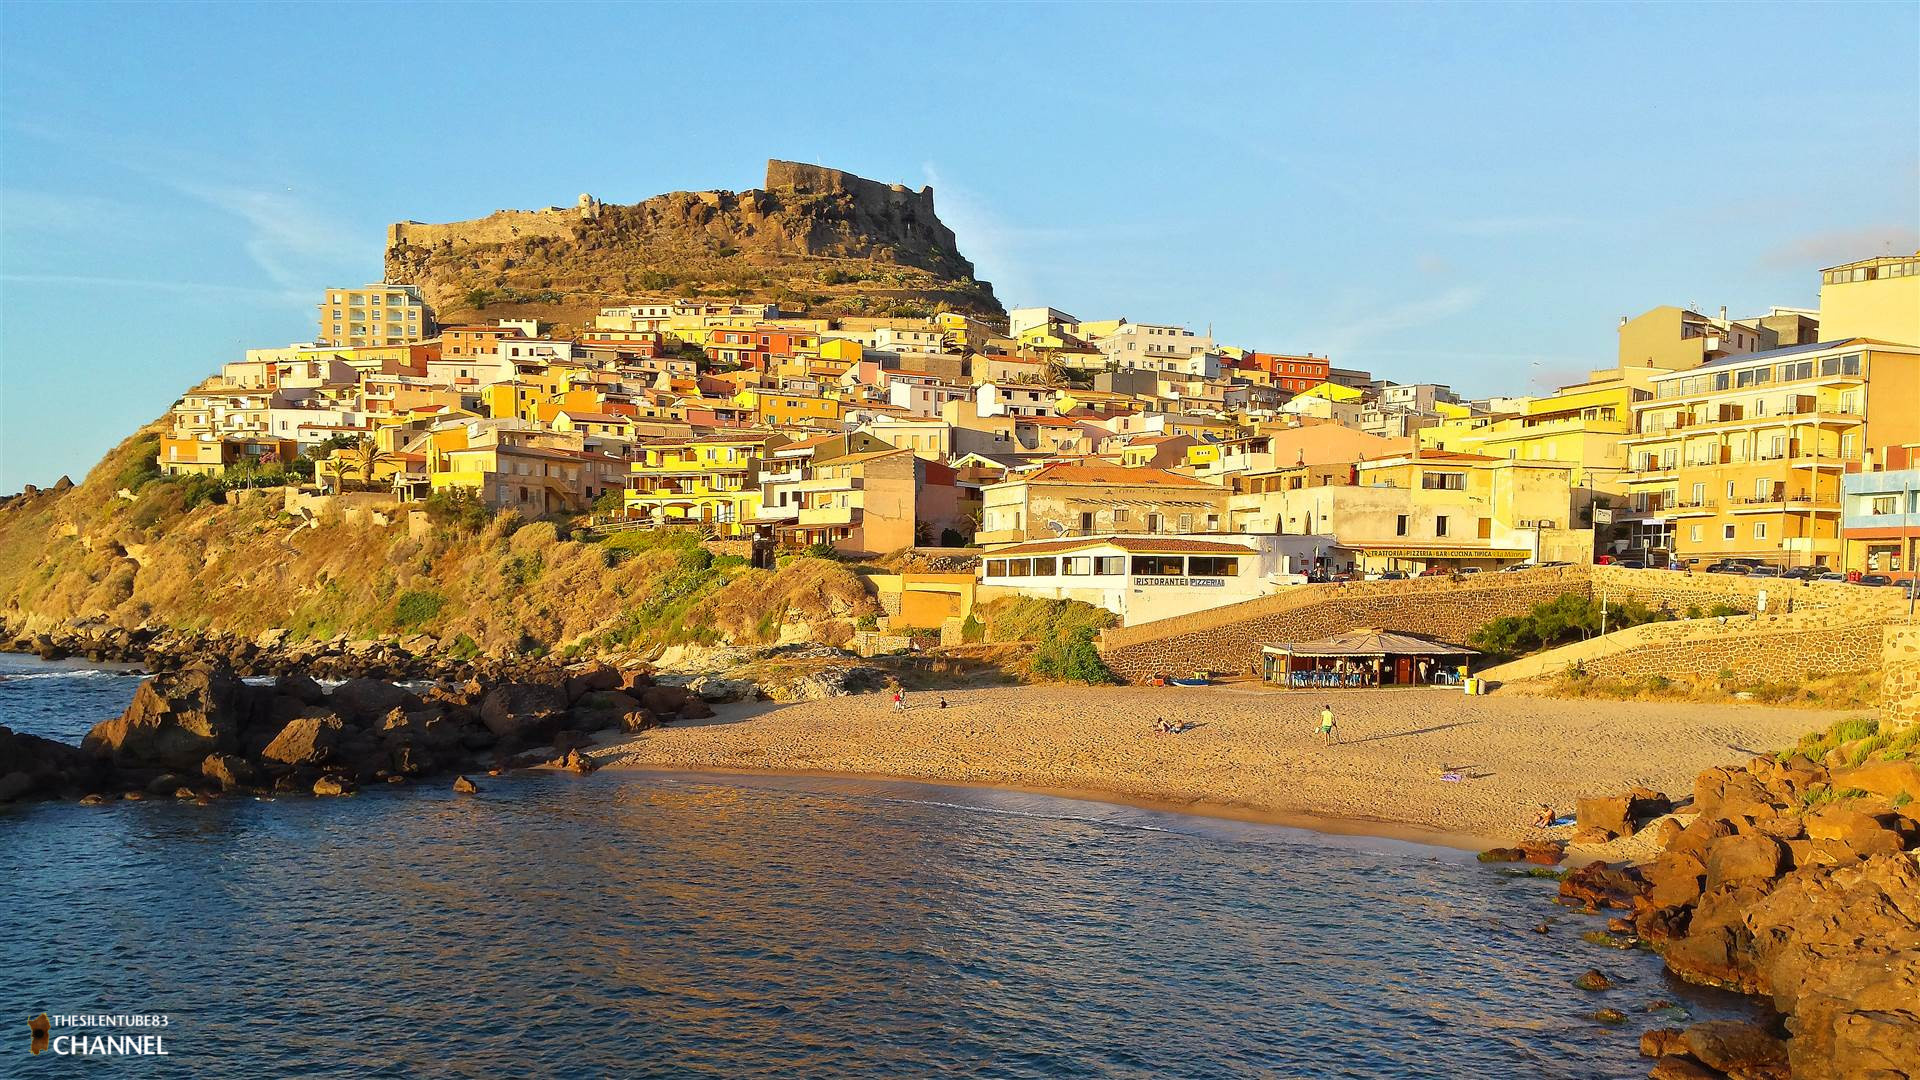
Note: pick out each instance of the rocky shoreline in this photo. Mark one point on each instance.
(202, 732)
(1787, 878)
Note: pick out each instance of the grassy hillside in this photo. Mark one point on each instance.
(136, 548)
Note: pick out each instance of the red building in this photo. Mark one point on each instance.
(1292, 373)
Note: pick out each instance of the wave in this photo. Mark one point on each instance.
(76, 673)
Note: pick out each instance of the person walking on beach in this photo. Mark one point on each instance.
(1326, 724)
(899, 699)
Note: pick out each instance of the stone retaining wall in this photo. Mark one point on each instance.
(1229, 638)
(1762, 649)
(1680, 591)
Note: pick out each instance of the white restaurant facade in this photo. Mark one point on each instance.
(1139, 578)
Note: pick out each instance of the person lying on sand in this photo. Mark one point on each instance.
(1543, 817)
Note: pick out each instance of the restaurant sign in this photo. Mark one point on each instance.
(1203, 582)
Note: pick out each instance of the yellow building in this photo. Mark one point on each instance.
(789, 408)
(380, 314)
(1581, 426)
(846, 350)
(1743, 457)
(1873, 298)
(1675, 339)
(710, 480)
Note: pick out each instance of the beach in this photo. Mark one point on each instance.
(1252, 753)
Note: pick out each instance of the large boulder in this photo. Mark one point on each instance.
(32, 765)
(1600, 820)
(1843, 832)
(589, 678)
(363, 701)
(1887, 779)
(309, 739)
(1675, 878)
(177, 719)
(1747, 855)
(1734, 1045)
(526, 711)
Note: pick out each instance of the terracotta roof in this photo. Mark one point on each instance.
(1114, 474)
(1135, 545)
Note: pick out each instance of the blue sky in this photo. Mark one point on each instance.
(1469, 194)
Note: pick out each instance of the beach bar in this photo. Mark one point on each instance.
(1364, 658)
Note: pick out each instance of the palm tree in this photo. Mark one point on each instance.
(368, 455)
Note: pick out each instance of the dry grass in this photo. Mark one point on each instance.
(513, 586)
(1849, 690)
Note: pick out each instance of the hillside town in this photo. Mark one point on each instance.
(1145, 468)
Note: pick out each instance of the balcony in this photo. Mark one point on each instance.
(1779, 501)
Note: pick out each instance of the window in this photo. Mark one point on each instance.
(1693, 534)
(1108, 565)
(1762, 487)
(1730, 495)
(1726, 532)
(1213, 522)
(1699, 494)
(1202, 566)
(1443, 481)
(1019, 567)
(1155, 523)
(1120, 515)
(1440, 525)
(1400, 525)
(1076, 566)
(1159, 566)
(1885, 504)
(1086, 521)
(1759, 530)
(1486, 528)
(1186, 523)
(1044, 567)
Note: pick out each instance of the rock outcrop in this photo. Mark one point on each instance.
(815, 236)
(1795, 881)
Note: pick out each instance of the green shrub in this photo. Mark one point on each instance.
(144, 467)
(459, 509)
(463, 648)
(1566, 618)
(1074, 659)
(416, 607)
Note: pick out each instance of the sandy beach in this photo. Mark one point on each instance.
(1253, 753)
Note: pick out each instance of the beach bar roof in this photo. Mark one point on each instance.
(1368, 643)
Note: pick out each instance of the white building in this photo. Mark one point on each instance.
(1139, 578)
(1153, 347)
(1015, 399)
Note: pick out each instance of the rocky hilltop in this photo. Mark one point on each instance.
(813, 238)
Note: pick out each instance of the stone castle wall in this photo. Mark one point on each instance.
(499, 227)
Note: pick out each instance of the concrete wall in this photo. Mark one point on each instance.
(1806, 644)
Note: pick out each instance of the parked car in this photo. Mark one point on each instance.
(1631, 564)
(1799, 573)
(1394, 575)
(1830, 575)
(1727, 568)
(1874, 579)
(1766, 571)
(1435, 571)
(1470, 569)
(1517, 567)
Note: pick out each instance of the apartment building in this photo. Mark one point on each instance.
(1743, 456)
(1877, 299)
(713, 480)
(379, 314)
(1092, 500)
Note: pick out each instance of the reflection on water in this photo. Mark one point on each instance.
(640, 925)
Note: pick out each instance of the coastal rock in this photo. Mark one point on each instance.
(464, 786)
(15, 786)
(1593, 980)
(1675, 878)
(333, 785)
(1694, 839)
(1678, 1067)
(177, 719)
(1659, 1042)
(1597, 885)
(585, 680)
(1747, 855)
(826, 683)
(301, 688)
(526, 711)
(715, 689)
(306, 740)
(228, 770)
(1732, 1045)
(1543, 852)
(364, 700)
(1601, 820)
(33, 765)
(1853, 833)
(577, 762)
(1887, 779)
